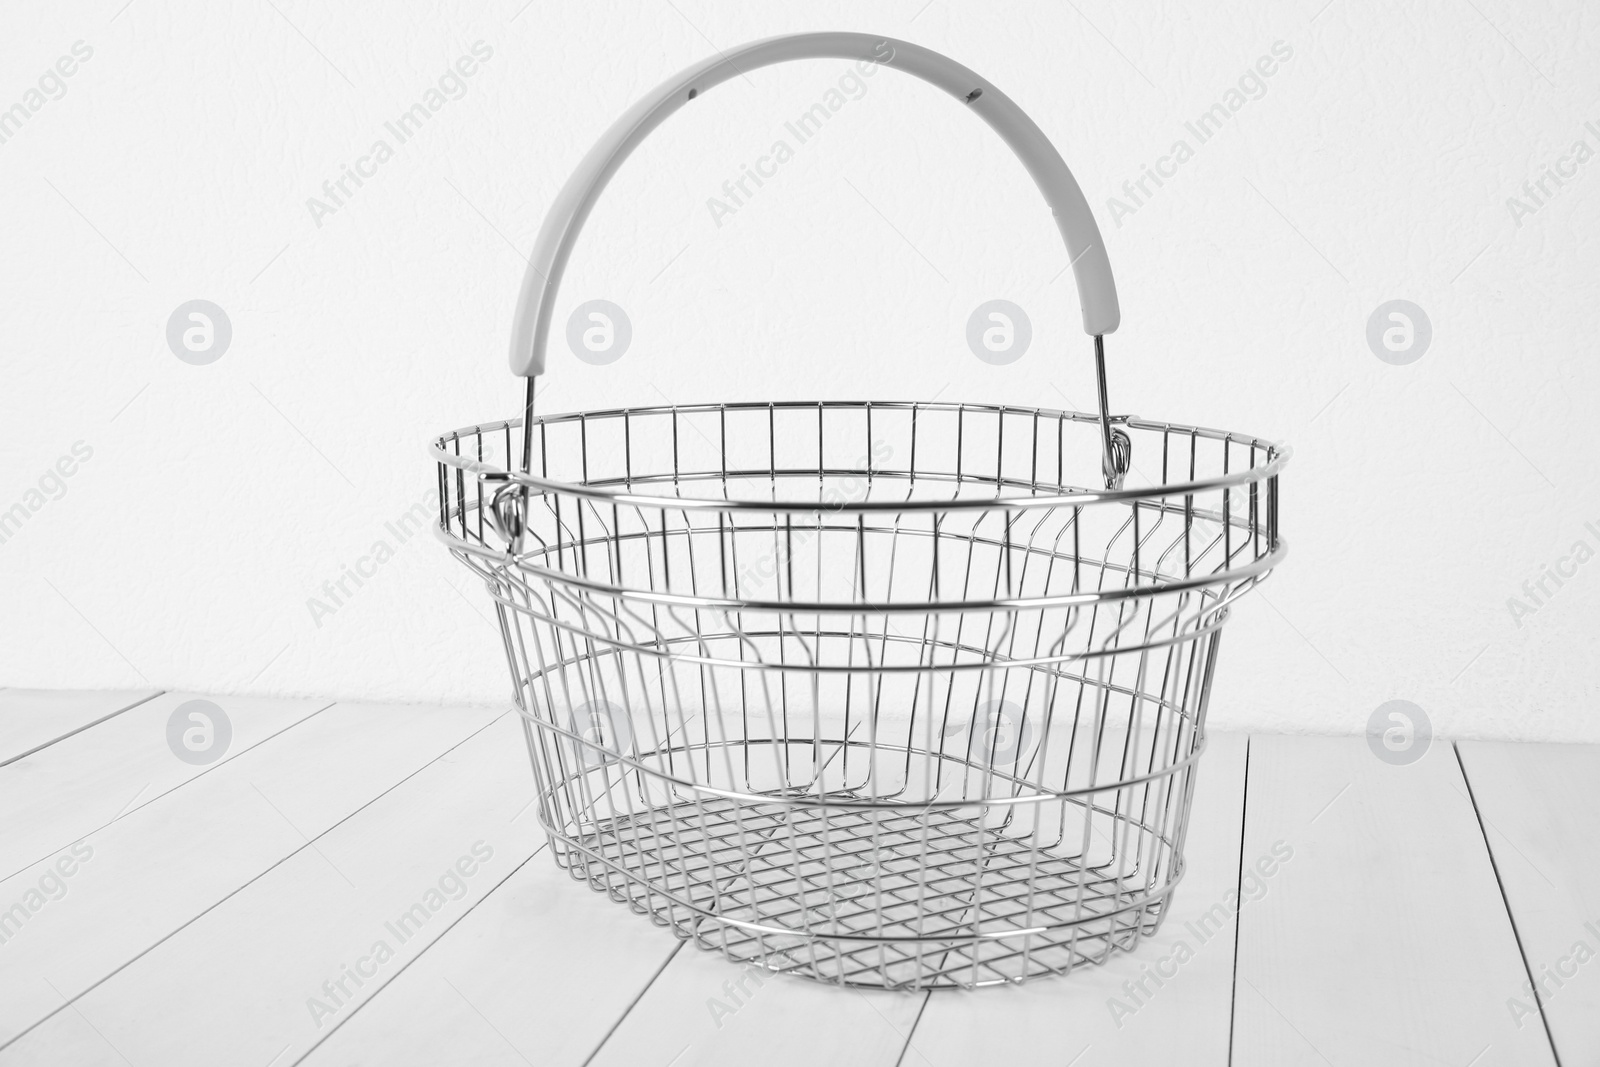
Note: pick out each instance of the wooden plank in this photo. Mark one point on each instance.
(682, 1019)
(1385, 938)
(1089, 1017)
(84, 782)
(538, 973)
(1540, 809)
(140, 879)
(256, 980)
(31, 719)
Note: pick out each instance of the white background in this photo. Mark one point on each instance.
(1377, 165)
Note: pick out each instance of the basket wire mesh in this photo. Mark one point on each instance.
(880, 694)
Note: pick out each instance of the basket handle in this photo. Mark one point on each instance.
(1097, 293)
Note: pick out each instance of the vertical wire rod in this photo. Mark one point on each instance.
(1112, 466)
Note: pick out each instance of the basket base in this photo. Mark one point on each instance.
(904, 899)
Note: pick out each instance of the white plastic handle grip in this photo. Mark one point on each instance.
(1097, 293)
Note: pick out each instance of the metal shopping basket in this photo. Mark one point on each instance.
(902, 695)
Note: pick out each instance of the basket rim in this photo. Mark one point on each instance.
(1277, 456)
(1258, 567)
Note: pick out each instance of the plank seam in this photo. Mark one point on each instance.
(912, 1033)
(423, 952)
(1505, 900)
(130, 810)
(1238, 888)
(242, 887)
(79, 730)
(635, 1002)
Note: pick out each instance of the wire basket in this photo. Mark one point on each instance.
(892, 695)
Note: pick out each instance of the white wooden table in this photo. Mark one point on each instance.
(244, 911)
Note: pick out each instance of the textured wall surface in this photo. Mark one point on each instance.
(1441, 152)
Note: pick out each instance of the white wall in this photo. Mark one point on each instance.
(1376, 165)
